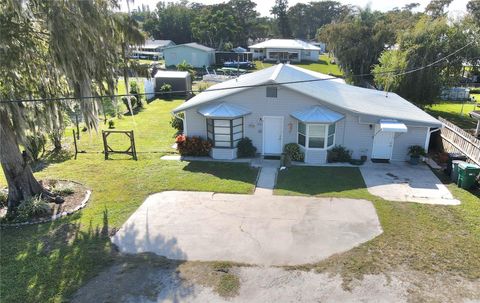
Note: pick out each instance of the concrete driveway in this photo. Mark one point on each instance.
(266, 230)
(401, 181)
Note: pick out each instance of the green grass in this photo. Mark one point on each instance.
(48, 262)
(427, 238)
(453, 113)
(322, 66)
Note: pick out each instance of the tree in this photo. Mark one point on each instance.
(279, 10)
(391, 62)
(436, 8)
(48, 47)
(473, 7)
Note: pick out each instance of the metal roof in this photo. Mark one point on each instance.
(285, 44)
(327, 90)
(317, 114)
(223, 110)
(194, 45)
(156, 43)
(392, 126)
(171, 74)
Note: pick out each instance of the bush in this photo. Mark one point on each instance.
(33, 207)
(111, 123)
(166, 89)
(35, 145)
(177, 123)
(416, 151)
(339, 154)
(63, 189)
(245, 148)
(475, 91)
(293, 151)
(193, 146)
(3, 198)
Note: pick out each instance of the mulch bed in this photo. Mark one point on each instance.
(73, 202)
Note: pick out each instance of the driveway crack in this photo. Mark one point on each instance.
(249, 235)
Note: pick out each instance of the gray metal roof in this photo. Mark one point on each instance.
(317, 114)
(171, 74)
(157, 43)
(285, 44)
(223, 110)
(329, 91)
(194, 45)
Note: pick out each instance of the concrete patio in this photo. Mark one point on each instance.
(401, 181)
(255, 229)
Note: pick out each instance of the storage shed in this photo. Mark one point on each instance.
(180, 81)
(195, 54)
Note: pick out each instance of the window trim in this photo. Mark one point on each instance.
(231, 133)
(307, 135)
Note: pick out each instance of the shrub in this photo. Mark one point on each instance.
(35, 145)
(133, 101)
(416, 151)
(111, 123)
(32, 208)
(245, 148)
(193, 146)
(177, 123)
(3, 199)
(475, 91)
(339, 153)
(63, 189)
(166, 90)
(293, 151)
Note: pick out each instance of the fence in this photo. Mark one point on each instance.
(457, 140)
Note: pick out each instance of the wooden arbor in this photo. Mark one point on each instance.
(108, 150)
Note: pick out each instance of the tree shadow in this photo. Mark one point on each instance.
(135, 111)
(224, 170)
(52, 157)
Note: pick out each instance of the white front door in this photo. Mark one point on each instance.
(382, 144)
(272, 135)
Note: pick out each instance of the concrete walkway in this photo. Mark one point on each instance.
(267, 177)
(264, 230)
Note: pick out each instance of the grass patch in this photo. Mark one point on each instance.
(426, 238)
(48, 262)
(228, 285)
(322, 66)
(453, 112)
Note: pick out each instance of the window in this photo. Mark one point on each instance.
(316, 135)
(271, 92)
(225, 133)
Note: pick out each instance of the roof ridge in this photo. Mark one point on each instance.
(276, 72)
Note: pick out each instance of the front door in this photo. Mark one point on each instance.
(272, 135)
(382, 144)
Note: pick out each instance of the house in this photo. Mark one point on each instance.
(316, 111)
(152, 49)
(194, 54)
(180, 81)
(282, 50)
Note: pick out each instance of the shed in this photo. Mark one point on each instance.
(180, 81)
(195, 54)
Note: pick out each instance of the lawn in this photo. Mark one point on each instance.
(425, 238)
(455, 112)
(48, 262)
(322, 66)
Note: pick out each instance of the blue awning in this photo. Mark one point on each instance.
(223, 110)
(317, 114)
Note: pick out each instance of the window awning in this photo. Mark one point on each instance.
(317, 114)
(223, 110)
(392, 126)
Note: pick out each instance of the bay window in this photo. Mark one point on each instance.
(319, 136)
(225, 133)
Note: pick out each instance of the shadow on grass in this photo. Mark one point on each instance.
(319, 180)
(224, 170)
(135, 111)
(52, 157)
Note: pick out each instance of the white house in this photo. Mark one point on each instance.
(293, 50)
(318, 113)
(152, 49)
(194, 54)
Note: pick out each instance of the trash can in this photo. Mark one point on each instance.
(454, 169)
(467, 175)
(451, 157)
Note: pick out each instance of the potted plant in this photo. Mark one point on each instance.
(415, 152)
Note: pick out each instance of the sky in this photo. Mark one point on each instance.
(263, 6)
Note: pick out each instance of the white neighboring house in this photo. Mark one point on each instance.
(193, 53)
(152, 49)
(317, 114)
(282, 50)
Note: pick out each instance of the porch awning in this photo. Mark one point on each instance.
(317, 114)
(392, 126)
(223, 110)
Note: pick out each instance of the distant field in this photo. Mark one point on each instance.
(322, 66)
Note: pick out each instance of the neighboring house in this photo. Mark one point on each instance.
(194, 54)
(152, 49)
(317, 113)
(180, 81)
(282, 50)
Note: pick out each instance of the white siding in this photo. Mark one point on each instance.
(414, 136)
(316, 156)
(223, 153)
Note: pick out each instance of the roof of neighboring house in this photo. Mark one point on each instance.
(194, 45)
(326, 89)
(152, 44)
(171, 74)
(285, 44)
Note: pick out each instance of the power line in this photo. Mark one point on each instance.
(412, 70)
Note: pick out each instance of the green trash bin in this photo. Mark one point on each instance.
(467, 175)
(454, 174)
